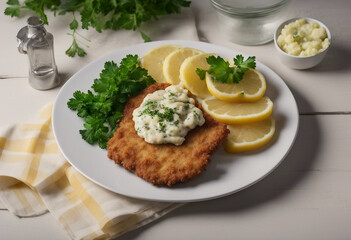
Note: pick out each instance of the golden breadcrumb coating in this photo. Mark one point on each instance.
(164, 164)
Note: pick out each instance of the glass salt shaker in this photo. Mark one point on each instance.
(38, 44)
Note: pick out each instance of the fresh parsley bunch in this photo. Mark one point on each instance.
(222, 72)
(102, 108)
(99, 14)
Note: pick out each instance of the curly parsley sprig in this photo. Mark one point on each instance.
(222, 72)
(100, 14)
(102, 107)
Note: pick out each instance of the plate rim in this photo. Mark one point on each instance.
(180, 42)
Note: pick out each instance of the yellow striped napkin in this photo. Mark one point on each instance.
(35, 178)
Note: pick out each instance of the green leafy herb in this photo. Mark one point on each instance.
(14, 8)
(165, 115)
(222, 72)
(75, 49)
(102, 107)
(100, 14)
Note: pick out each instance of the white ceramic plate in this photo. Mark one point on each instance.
(226, 173)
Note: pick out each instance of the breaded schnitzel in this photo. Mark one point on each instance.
(164, 164)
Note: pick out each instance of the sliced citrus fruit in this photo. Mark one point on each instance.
(251, 88)
(189, 78)
(171, 65)
(238, 112)
(245, 137)
(153, 60)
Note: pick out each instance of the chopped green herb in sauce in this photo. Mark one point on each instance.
(296, 35)
(166, 116)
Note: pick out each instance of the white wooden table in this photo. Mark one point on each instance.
(307, 197)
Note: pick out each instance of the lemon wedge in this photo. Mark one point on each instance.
(238, 112)
(153, 60)
(251, 88)
(245, 137)
(172, 63)
(190, 79)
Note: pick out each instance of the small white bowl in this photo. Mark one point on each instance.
(298, 62)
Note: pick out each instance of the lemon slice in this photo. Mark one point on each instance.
(238, 112)
(245, 137)
(251, 88)
(189, 78)
(153, 60)
(172, 63)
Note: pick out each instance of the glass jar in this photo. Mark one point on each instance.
(249, 22)
(38, 44)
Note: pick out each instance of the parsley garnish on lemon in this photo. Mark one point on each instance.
(221, 70)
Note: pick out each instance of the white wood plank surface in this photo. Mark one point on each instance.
(324, 88)
(307, 197)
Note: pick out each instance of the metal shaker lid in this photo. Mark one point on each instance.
(27, 32)
(34, 21)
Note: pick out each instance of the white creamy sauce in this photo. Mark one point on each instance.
(166, 116)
